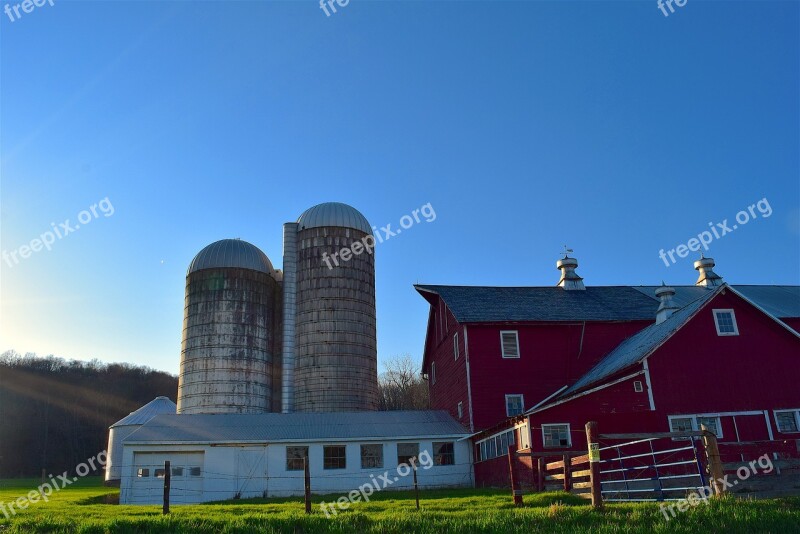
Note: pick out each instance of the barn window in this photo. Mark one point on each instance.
(443, 453)
(371, 456)
(689, 423)
(160, 473)
(637, 386)
(711, 423)
(143, 472)
(788, 420)
(509, 343)
(455, 346)
(177, 471)
(726, 323)
(334, 457)
(460, 410)
(514, 405)
(295, 458)
(194, 471)
(433, 372)
(407, 451)
(555, 436)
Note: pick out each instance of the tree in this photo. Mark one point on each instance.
(401, 386)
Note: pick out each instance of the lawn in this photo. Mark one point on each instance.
(83, 507)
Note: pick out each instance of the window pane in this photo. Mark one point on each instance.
(295, 457)
(334, 457)
(711, 424)
(443, 453)
(725, 322)
(371, 456)
(681, 424)
(160, 473)
(177, 471)
(143, 473)
(194, 471)
(406, 451)
(786, 421)
(509, 345)
(513, 405)
(556, 435)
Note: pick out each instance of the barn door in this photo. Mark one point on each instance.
(251, 472)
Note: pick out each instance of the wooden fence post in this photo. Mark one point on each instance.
(594, 464)
(540, 475)
(307, 492)
(566, 472)
(714, 463)
(167, 480)
(416, 486)
(515, 492)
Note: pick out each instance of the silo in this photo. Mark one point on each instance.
(124, 428)
(335, 351)
(232, 304)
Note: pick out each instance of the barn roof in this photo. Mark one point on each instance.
(294, 427)
(638, 346)
(478, 304)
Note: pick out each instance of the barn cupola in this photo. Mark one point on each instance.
(708, 278)
(569, 278)
(667, 306)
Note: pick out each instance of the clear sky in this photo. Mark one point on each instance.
(602, 125)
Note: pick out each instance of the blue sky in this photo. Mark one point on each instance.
(527, 125)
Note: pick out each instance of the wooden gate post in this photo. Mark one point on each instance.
(594, 464)
(307, 485)
(167, 479)
(714, 463)
(567, 466)
(515, 492)
(540, 473)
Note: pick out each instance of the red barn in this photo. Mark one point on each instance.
(542, 361)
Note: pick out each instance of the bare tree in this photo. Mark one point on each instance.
(401, 385)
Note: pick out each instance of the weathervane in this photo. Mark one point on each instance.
(566, 252)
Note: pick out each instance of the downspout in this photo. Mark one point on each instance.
(469, 380)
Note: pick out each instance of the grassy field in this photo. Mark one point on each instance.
(84, 507)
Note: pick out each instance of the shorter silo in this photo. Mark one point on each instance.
(127, 426)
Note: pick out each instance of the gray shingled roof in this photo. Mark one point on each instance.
(478, 304)
(638, 346)
(472, 304)
(293, 427)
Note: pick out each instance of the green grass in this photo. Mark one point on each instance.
(82, 507)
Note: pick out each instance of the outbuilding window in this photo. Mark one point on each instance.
(334, 457)
(372, 456)
(295, 458)
(443, 453)
(407, 451)
(788, 420)
(725, 320)
(509, 343)
(143, 472)
(555, 436)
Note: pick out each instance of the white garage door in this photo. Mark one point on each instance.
(186, 483)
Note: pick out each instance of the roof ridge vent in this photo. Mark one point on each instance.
(708, 278)
(667, 306)
(569, 278)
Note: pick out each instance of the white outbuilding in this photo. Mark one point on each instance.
(227, 456)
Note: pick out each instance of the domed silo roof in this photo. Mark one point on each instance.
(127, 426)
(334, 214)
(231, 253)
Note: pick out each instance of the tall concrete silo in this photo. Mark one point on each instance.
(334, 358)
(231, 327)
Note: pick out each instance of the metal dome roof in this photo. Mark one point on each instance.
(153, 408)
(231, 253)
(334, 214)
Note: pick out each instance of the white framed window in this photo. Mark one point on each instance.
(460, 409)
(555, 436)
(494, 446)
(788, 421)
(725, 320)
(687, 423)
(433, 372)
(455, 346)
(509, 343)
(637, 386)
(515, 405)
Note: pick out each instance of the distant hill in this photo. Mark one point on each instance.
(54, 413)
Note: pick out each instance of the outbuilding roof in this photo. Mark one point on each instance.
(297, 427)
